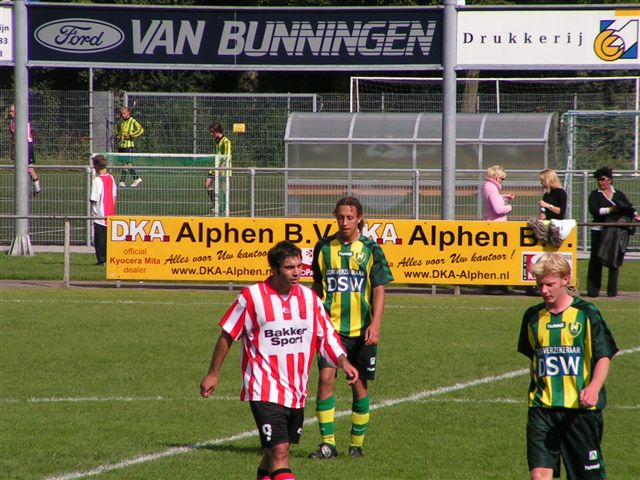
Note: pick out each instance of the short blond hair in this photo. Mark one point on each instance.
(496, 171)
(551, 264)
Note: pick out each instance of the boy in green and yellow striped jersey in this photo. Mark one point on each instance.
(222, 147)
(570, 347)
(127, 130)
(350, 272)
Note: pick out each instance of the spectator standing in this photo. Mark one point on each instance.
(222, 146)
(31, 159)
(350, 272)
(606, 204)
(570, 347)
(495, 205)
(103, 204)
(553, 205)
(276, 373)
(127, 130)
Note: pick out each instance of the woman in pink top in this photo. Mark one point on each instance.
(495, 205)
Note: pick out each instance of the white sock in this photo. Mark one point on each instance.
(36, 184)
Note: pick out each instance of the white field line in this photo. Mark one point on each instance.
(417, 397)
(109, 399)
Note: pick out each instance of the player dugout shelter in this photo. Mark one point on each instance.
(400, 154)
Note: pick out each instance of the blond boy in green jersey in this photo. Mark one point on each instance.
(570, 347)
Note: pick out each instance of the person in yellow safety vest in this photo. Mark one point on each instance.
(222, 146)
(127, 130)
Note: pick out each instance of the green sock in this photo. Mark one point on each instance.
(359, 420)
(326, 412)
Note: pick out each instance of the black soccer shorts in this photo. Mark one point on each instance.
(277, 424)
(361, 356)
(571, 434)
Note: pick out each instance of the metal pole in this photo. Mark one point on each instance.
(195, 124)
(449, 112)
(88, 222)
(91, 110)
(67, 252)
(253, 192)
(585, 209)
(570, 124)
(351, 94)
(635, 139)
(416, 194)
(21, 244)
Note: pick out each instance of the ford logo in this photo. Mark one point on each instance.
(79, 35)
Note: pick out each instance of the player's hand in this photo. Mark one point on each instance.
(588, 397)
(208, 385)
(352, 373)
(371, 336)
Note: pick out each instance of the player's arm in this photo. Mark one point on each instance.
(136, 129)
(210, 381)
(96, 191)
(589, 394)
(372, 335)
(318, 277)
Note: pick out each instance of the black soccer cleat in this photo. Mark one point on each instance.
(325, 452)
(356, 452)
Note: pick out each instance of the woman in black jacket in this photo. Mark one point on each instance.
(605, 203)
(553, 205)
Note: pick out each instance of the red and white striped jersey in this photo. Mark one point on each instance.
(279, 339)
(103, 197)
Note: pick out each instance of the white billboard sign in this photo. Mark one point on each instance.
(549, 39)
(6, 36)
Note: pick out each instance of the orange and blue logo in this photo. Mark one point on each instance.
(617, 40)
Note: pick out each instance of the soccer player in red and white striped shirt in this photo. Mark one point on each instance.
(282, 324)
(103, 204)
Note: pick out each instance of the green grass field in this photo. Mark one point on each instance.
(104, 383)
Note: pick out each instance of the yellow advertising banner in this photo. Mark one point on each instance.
(235, 249)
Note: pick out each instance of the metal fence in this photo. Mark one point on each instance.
(273, 192)
(591, 139)
(179, 123)
(69, 125)
(61, 126)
